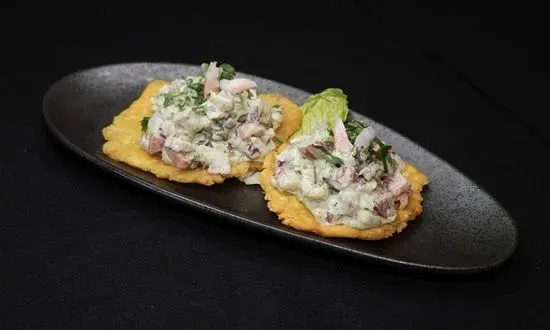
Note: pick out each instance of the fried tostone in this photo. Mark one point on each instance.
(293, 213)
(124, 134)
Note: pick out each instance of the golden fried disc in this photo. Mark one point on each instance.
(293, 213)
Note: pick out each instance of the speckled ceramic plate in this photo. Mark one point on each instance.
(462, 229)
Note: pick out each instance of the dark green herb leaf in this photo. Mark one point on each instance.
(200, 99)
(227, 71)
(382, 153)
(199, 88)
(353, 128)
(144, 123)
(330, 158)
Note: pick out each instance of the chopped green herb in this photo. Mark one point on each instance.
(144, 123)
(227, 71)
(169, 97)
(199, 89)
(331, 158)
(353, 128)
(382, 153)
(200, 99)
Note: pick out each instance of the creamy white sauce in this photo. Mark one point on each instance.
(353, 193)
(232, 124)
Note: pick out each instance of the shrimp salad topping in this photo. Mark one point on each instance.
(346, 175)
(211, 120)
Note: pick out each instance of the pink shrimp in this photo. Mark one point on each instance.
(211, 81)
(341, 140)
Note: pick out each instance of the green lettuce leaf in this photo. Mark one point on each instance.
(322, 108)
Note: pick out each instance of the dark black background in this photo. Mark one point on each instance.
(79, 248)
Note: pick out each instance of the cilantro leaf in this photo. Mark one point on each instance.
(353, 128)
(144, 123)
(227, 71)
(382, 154)
(199, 88)
(169, 97)
(336, 161)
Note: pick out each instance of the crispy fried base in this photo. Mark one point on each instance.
(123, 144)
(292, 115)
(124, 134)
(293, 213)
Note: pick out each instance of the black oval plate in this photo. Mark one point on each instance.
(462, 229)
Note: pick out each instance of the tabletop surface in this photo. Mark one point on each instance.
(81, 248)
